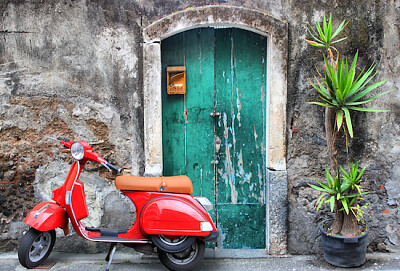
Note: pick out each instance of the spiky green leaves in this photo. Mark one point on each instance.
(323, 36)
(341, 89)
(342, 188)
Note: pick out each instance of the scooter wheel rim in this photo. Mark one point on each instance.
(179, 260)
(174, 242)
(40, 247)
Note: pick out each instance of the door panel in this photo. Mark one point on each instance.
(224, 156)
(173, 109)
(240, 79)
(199, 60)
(241, 226)
(188, 129)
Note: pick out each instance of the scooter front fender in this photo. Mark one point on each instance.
(173, 216)
(47, 216)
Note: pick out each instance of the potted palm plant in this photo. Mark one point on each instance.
(341, 91)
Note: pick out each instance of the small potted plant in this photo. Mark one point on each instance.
(344, 239)
(342, 90)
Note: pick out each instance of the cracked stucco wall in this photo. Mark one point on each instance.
(74, 68)
(70, 69)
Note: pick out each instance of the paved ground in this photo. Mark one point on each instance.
(125, 261)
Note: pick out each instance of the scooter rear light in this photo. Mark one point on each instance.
(206, 226)
(205, 203)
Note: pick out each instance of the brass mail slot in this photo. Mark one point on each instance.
(176, 80)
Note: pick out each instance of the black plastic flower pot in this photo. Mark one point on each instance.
(344, 251)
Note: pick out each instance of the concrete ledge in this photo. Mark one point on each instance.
(235, 253)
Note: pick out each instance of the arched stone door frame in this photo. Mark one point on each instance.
(276, 32)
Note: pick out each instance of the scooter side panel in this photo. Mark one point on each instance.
(47, 216)
(172, 216)
(79, 201)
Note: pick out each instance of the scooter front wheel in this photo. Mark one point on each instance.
(172, 244)
(186, 260)
(35, 247)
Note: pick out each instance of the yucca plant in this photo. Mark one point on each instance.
(342, 90)
(323, 36)
(342, 193)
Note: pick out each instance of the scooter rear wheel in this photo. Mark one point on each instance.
(186, 260)
(35, 247)
(172, 244)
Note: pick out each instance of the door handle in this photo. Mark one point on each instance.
(215, 114)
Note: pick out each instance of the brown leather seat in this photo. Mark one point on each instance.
(174, 184)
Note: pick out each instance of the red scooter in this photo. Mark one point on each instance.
(168, 219)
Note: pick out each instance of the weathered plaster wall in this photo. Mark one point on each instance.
(373, 31)
(73, 68)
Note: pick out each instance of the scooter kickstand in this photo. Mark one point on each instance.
(110, 255)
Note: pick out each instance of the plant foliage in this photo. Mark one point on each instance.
(323, 36)
(344, 188)
(339, 87)
(342, 89)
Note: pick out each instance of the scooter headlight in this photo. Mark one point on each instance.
(77, 151)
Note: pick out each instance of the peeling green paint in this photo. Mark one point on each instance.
(223, 155)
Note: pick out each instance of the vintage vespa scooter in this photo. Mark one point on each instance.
(168, 218)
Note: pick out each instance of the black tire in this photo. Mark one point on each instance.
(35, 247)
(172, 244)
(185, 260)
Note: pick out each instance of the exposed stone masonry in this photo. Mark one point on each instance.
(75, 69)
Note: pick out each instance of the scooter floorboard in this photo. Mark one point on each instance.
(114, 239)
(107, 232)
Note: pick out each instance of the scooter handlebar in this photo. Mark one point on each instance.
(63, 139)
(90, 154)
(111, 166)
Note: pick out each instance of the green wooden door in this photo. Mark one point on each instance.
(222, 153)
